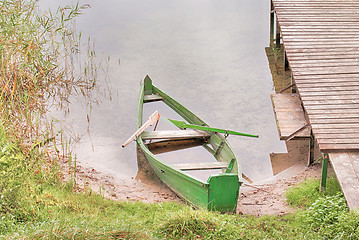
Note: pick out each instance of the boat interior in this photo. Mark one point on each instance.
(186, 150)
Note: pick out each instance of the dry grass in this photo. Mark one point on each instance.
(41, 67)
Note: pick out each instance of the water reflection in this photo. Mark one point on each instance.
(208, 55)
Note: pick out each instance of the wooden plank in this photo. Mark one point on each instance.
(322, 70)
(320, 45)
(330, 102)
(315, 56)
(347, 176)
(342, 64)
(329, 50)
(318, 88)
(319, 24)
(335, 131)
(332, 111)
(174, 134)
(152, 98)
(201, 166)
(321, 31)
(339, 147)
(336, 135)
(328, 76)
(289, 114)
(327, 93)
(317, 41)
(294, 37)
(315, 6)
(316, 19)
(322, 24)
(328, 81)
(322, 107)
(333, 121)
(333, 54)
(334, 116)
(335, 126)
(338, 140)
(317, 14)
(321, 84)
(333, 97)
(344, 9)
(318, 55)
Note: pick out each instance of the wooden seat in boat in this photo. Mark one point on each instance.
(201, 166)
(152, 98)
(174, 134)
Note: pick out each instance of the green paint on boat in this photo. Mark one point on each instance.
(184, 125)
(220, 191)
(218, 195)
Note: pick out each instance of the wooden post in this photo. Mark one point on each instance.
(312, 146)
(271, 24)
(323, 183)
(277, 38)
(294, 88)
(286, 63)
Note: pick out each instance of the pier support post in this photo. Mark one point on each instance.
(312, 146)
(277, 37)
(323, 183)
(271, 24)
(286, 63)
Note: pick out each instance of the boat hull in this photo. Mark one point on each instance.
(220, 192)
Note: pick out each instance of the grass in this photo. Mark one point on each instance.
(307, 192)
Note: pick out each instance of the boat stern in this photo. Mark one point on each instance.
(223, 192)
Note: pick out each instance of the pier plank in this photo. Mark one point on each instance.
(338, 140)
(347, 175)
(290, 116)
(337, 135)
(331, 107)
(328, 93)
(333, 116)
(335, 131)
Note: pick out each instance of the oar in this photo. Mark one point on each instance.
(184, 125)
(151, 120)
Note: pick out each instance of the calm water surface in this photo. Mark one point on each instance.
(207, 54)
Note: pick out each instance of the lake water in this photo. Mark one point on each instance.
(207, 54)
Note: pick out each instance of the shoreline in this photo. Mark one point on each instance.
(266, 197)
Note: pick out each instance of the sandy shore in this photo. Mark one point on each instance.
(259, 198)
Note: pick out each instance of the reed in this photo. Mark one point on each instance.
(42, 66)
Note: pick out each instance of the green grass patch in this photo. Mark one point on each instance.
(307, 192)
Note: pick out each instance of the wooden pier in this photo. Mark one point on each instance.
(321, 43)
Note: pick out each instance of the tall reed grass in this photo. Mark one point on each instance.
(42, 65)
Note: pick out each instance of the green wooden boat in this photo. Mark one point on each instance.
(220, 191)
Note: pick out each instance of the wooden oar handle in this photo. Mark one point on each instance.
(151, 120)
